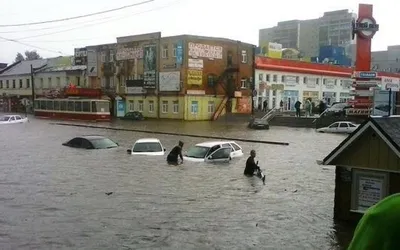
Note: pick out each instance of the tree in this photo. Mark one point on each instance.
(29, 55)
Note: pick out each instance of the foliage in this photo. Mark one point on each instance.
(29, 55)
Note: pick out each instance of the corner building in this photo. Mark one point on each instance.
(182, 77)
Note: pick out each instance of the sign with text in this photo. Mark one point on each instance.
(390, 83)
(179, 53)
(83, 92)
(134, 86)
(150, 66)
(195, 63)
(194, 77)
(129, 53)
(170, 81)
(205, 51)
(366, 74)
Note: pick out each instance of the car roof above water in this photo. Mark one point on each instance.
(92, 137)
(142, 140)
(213, 143)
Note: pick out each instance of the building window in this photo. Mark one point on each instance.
(211, 107)
(7, 84)
(78, 81)
(41, 83)
(282, 78)
(164, 107)
(175, 107)
(165, 51)
(140, 106)
(305, 80)
(151, 106)
(317, 81)
(103, 57)
(1, 84)
(244, 56)
(28, 83)
(131, 106)
(267, 78)
(274, 78)
(243, 83)
(20, 83)
(13, 84)
(58, 81)
(174, 50)
(111, 56)
(297, 79)
(194, 108)
(49, 82)
(260, 77)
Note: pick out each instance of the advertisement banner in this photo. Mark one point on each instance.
(194, 77)
(179, 53)
(134, 86)
(381, 103)
(170, 81)
(150, 66)
(274, 50)
(120, 108)
(390, 83)
(205, 50)
(195, 63)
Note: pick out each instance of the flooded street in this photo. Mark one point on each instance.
(53, 197)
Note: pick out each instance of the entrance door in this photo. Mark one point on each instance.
(288, 103)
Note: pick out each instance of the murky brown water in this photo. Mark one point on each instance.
(53, 197)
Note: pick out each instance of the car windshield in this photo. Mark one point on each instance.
(103, 143)
(147, 147)
(4, 118)
(197, 152)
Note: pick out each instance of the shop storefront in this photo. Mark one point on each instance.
(314, 95)
(344, 97)
(290, 97)
(329, 97)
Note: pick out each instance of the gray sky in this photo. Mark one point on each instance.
(238, 20)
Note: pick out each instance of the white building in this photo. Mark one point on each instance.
(290, 81)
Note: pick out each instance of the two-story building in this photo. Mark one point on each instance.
(290, 81)
(16, 85)
(180, 77)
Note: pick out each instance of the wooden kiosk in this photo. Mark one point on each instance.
(367, 167)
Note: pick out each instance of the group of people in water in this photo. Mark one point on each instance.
(251, 168)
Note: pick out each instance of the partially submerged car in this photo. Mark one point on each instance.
(133, 116)
(258, 123)
(147, 146)
(343, 127)
(12, 119)
(91, 142)
(213, 151)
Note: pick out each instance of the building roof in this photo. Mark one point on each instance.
(387, 128)
(23, 67)
(302, 67)
(63, 68)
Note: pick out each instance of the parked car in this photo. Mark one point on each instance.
(258, 123)
(147, 146)
(213, 151)
(339, 127)
(91, 142)
(13, 119)
(133, 116)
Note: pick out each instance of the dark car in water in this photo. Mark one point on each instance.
(133, 116)
(258, 123)
(91, 142)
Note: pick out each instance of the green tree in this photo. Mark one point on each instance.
(29, 55)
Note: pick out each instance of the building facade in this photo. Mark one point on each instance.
(387, 60)
(180, 77)
(291, 81)
(333, 28)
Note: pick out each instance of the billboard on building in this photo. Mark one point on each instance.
(150, 66)
(274, 50)
(382, 106)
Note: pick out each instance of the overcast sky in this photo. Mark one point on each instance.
(238, 20)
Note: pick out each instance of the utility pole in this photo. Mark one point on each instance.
(253, 82)
(33, 88)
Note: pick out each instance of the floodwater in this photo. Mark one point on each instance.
(53, 197)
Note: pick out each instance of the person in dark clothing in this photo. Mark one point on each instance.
(251, 166)
(297, 107)
(176, 152)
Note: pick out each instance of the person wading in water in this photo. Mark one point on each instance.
(176, 152)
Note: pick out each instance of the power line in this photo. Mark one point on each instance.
(33, 46)
(77, 17)
(93, 24)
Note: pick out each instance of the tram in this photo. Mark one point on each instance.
(73, 109)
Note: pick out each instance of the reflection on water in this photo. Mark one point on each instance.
(53, 197)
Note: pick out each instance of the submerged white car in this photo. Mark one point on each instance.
(12, 119)
(147, 146)
(339, 127)
(213, 151)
